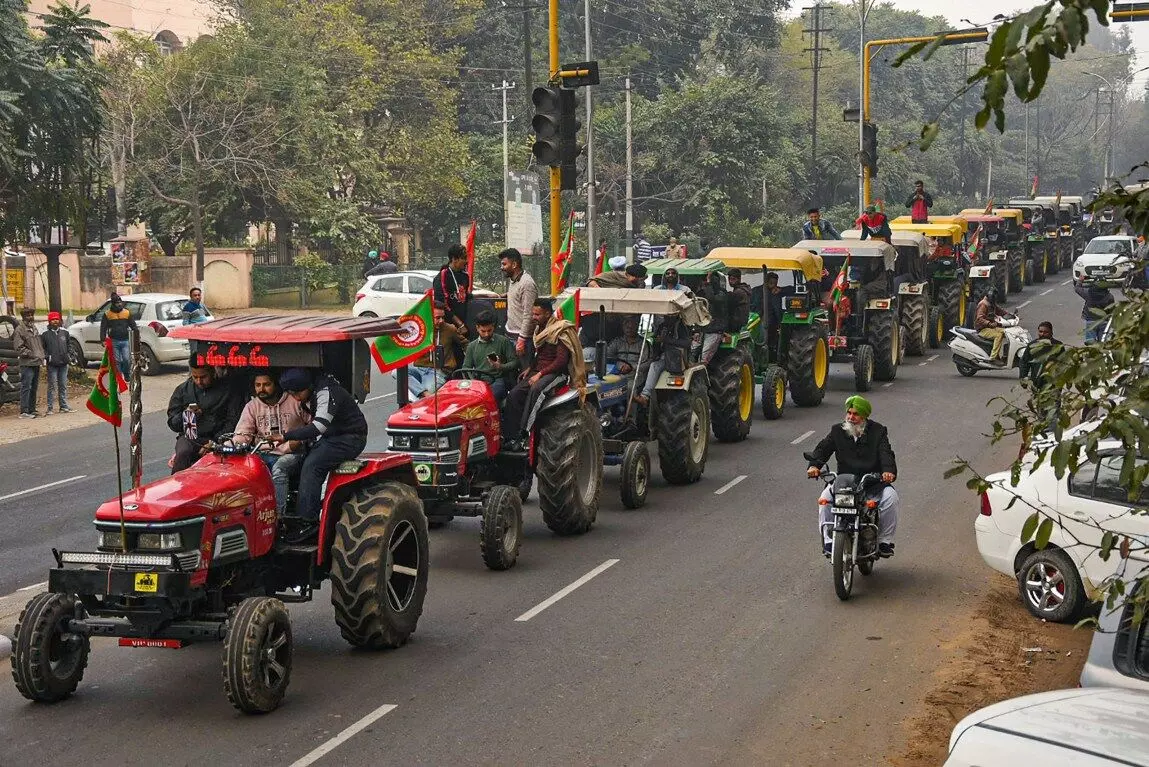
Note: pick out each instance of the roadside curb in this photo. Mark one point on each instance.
(5, 647)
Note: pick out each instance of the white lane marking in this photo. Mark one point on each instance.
(803, 438)
(929, 359)
(42, 487)
(381, 396)
(344, 736)
(730, 484)
(1046, 292)
(887, 385)
(1067, 281)
(1022, 306)
(566, 591)
(34, 586)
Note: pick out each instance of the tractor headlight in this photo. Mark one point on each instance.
(844, 499)
(432, 442)
(159, 541)
(401, 442)
(108, 539)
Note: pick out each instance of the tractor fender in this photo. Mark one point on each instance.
(568, 396)
(980, 272)
(367, 468)
(666, 380)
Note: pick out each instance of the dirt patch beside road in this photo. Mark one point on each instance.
(1002, 653)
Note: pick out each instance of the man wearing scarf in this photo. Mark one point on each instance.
(862, 447)
(557, 352)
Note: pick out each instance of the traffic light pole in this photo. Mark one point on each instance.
(591, 229)
(556, 174)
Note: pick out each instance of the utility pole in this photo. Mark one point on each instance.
(816, 29)
(556, 174)
(506, 121)
(527, 46)
(591, 242)
(629, 182)
(863, 65)
(1037, 171)
(962, 165)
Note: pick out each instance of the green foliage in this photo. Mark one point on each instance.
(317, 272)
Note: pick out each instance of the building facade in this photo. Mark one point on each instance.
(173, 24)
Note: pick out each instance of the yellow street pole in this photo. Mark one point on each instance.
(556, 177)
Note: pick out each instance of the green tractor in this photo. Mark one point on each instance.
(921, 317)
(790, 345)
(732, 367)
(945, 271)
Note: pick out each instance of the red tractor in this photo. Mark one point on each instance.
(199, 556)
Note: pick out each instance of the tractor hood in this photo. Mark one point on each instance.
(209, 487)
(458, 402)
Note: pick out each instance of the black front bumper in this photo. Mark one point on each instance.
(125, 583)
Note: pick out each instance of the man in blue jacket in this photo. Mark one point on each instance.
(817, 229)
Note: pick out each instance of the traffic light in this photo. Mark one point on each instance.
(870, 148)
(546, 123)
(568, 138)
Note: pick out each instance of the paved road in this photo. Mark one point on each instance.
(714, 637)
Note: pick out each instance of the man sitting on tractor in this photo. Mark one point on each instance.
(630, 351)
(273, 411)
(557, 352)
(716, 296)
(493, 352)
(986, 324)
(336, 433)
(740, 297)
(428, 373)
(201, 408)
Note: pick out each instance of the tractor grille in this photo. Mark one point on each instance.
(230, 543)
(189, 560)
(477, 447)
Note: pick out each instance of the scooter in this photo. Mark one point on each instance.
(971, 352)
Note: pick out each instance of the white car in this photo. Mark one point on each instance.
(1119, 652)
(1106, 261)
(1094, 727)
(1054, 582)
(154, 313)
(390, 295)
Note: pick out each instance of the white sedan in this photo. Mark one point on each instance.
(390, 295)
(1054, 582)
(154, 313)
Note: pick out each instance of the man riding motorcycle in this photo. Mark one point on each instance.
(862, 447)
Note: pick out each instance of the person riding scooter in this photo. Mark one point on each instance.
(987, 326)
(862, 447)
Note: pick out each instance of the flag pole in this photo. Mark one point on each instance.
(136, 410)
(119, 483)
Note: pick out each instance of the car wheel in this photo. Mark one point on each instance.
(149, 364)
(368, 314)
(76, 354)
(1050, 586)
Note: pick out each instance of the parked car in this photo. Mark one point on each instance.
(1054, 582)
(155, 314)
(389, 295)
(1106, 261)
(1119, 653)
(1093, 727)
(8, 326)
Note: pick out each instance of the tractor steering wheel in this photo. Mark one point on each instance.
(492, 375)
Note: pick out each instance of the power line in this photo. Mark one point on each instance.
(815, 50)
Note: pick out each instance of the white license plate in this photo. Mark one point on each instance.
(841, 510)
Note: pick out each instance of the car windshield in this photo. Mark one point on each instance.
(169, 311)
(1109, 247)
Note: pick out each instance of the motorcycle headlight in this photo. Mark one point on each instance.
(401, 442)
(844, 499)
(159, 541)
(432, 442)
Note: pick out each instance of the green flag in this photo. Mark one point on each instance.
(104, 400)
(415, 338)
(569, 309)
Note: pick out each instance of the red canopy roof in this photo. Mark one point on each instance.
(287, 329)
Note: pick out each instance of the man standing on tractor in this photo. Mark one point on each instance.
(200, 410)
(521, 296)
(273, 411)
(557, 352)
(740, 296)
(493, 352)
(452, 287)
(670, 280)
(986, 324)
(874, 224)
(919, 203)
(816, 229)
(336, 433)
(862, 447)
(716, 296)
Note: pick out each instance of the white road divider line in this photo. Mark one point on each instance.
(381, 396)
(929, 359)
(730, 484)
(344, 736)
(566, 591)
(42, 487)
(1022, 306)
(802, 438)
(887, 385)
(1046, 292)
(1067, 281)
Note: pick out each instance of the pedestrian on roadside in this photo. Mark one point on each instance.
(29, 349)
(919, 202)
(369, 262)
(55, 340)
(1097, 300)
(816, 228)
(674, 249)
(194, 312)
(642, 249)
(521, 296)
(117, 322)
(452, 287)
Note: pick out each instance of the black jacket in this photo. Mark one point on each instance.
(55, 346)
(1033, 362)
(219, 408)
(739, 307)
(447, 284)
(870, 454)
(334, 412)
(718, 299)
(116, 324)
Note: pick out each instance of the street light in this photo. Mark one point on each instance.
(1114, 90)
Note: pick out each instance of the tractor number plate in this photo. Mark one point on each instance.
(147, 583)
(838, 342)
(843, 510)
(170, 644)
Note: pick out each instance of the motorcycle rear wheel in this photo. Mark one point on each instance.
(843, 559)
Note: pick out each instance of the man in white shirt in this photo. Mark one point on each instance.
(521, 296)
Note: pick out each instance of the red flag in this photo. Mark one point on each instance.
(1033, 190)
(471, 258)
(989, 207)
(600, 260)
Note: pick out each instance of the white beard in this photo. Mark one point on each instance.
(854, 430)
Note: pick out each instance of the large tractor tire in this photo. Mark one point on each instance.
(501, 527)
(684, 432)
(1053, 262)
(1017, 275)
(915, 321)
(634, 479)
(1001, 279)
(937, 327)
(379, 562)
(732, 395)
(773, 393)
(48, 661)
(951, 299)
(1040, 263)
(257, 655)
(807, 364)
(569, 469)
(864, 368)
(885, 334)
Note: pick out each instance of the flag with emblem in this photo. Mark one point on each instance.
(416, 335)
(561, 265)
(569, 309)
(104, 400)
(841, 284)
(975, 245)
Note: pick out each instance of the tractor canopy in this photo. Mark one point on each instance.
(677, 303)
(771, 259)
(913, 249)
(950, 234)
(254, 343)
(959, 221)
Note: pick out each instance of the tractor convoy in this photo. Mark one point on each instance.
(204, 555)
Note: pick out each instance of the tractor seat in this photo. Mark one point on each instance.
(971, 335)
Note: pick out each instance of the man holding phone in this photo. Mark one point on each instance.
(493, 352)
(201, 409)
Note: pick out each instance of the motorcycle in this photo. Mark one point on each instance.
(854, 529)
(9, 392)
(971, 352)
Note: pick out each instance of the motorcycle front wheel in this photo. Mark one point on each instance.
(843, 559)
